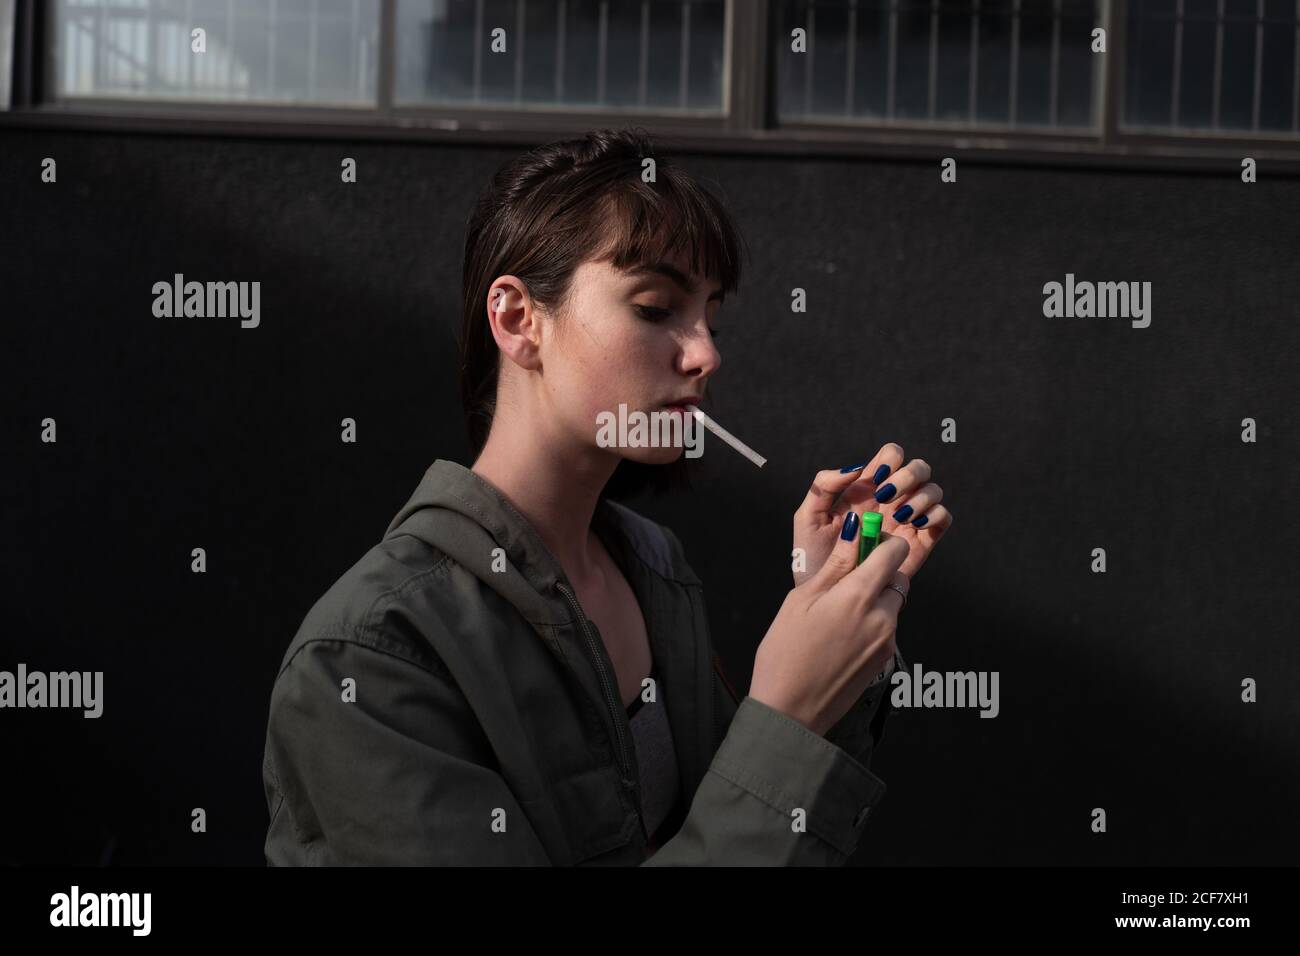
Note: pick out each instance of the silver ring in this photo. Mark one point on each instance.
(900, 591)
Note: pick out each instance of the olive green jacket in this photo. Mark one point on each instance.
(446, 701)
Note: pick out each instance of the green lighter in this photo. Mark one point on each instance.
(870, 534)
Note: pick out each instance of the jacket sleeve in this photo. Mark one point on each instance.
(776, 794)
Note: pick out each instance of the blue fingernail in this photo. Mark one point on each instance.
(885, 493)
(850, 526)
(903, 513)
(879, 476)
(848, 468)
(920, 521)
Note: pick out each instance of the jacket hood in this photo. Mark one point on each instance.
(468, 518)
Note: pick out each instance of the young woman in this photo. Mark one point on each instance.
(520, 672)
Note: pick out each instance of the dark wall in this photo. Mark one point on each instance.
(1118, 690)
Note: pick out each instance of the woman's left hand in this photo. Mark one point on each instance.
(834, 493)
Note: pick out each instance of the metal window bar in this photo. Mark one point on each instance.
(933, 79)
(1259, 62)
(974, 80)
(386, 57)
(602, 34)
(684, 78)
(311, 52)
(809, 55)
(561, 17)
(1295, 79)
(850, 67)
(1110, 77)
(643, 62)
(893, 58)
(477, 79)
(1218, 65)
(230, 41)
(151, 40)
(1056, 63)
(273, 19)
(356, 50)
(1177, 80)
(519, 41)
(1015, 62)
(97, 71)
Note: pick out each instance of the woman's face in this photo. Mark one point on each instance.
(639, 338)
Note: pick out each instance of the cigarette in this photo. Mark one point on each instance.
(726, 436)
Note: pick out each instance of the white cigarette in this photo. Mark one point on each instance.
(726, 436)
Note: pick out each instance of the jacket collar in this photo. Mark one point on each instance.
(451, 486)
(484, 519)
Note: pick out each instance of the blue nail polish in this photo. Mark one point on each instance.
(848, 468)
(879, 476)
(920, 521)
(885, 493)
(850, 528)
(903, 513)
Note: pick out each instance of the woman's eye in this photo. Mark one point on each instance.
(654, 314)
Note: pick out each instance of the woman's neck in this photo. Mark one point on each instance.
(557, 490)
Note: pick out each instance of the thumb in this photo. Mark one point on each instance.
(843, 557)
(875, 573)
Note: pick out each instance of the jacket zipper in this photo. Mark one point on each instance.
(611, 700)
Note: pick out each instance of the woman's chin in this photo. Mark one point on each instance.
(652, 456)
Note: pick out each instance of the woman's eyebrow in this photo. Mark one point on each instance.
(677, 276)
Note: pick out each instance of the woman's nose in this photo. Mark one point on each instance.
(701, 354)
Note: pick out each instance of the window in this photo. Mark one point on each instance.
(1213, 65)
(967, 63)
(659, 55)
(320, 52)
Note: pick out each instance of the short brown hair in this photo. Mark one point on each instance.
(549, 210)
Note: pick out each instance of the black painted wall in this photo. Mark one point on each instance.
(1118, 690)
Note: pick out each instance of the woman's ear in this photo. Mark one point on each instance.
(514, 322)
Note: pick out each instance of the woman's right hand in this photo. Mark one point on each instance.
(833, 634)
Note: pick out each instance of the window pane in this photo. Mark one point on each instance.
(964, 62)
(1177, 47)
(312, 52)
(6, 49)
(654, 55)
